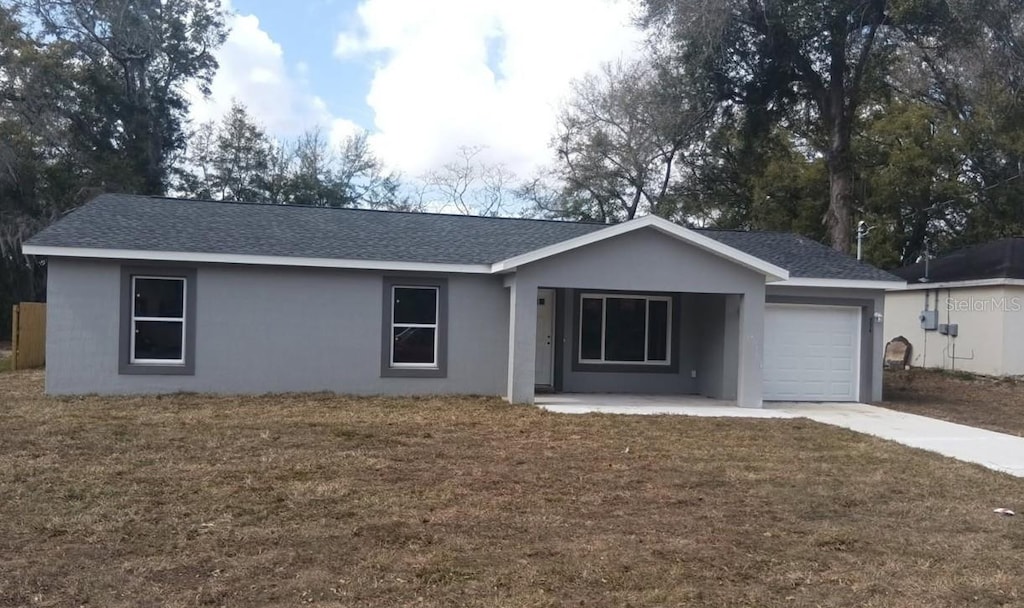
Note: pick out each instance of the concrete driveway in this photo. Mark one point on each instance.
(996, 451)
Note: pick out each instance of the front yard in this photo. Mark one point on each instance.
(996, 404)
(322, 500)
(5, 356)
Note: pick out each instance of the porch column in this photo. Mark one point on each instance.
(751, 349)
(522, 339)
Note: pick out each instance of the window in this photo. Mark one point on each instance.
(415, 319)
(625, 329)
(157, 320)
(414, 326)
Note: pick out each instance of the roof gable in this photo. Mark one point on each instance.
(691, 237)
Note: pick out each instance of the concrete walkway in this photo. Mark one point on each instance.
(649, 405)
(996, 451)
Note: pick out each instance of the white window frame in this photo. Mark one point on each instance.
(183, 320)
(436, 326)
(647, 323)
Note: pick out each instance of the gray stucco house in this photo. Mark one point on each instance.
(152, 295)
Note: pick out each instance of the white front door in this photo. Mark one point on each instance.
(545, 337)
(811, 353)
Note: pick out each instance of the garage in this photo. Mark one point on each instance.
(811, 353)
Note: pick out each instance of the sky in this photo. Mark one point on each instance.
(423, 77)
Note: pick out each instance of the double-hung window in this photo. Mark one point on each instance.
(625, 329)
(157, 320)
(415, 318)
(414, 326)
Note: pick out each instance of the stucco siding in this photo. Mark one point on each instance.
(279, 329)
(1013, 331)
(643, 260)
(261, 329)
(990, 324)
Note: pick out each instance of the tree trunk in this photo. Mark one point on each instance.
(840, 176)
(840, 205)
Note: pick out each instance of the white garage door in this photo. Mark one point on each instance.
(811, 353)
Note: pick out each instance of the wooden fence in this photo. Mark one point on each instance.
(28, 345)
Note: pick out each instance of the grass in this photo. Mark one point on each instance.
(313, 499)
(5, 356)
(991, 403)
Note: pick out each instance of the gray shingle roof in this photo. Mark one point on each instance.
(1001, 259)
(801, 256)
(117, 221)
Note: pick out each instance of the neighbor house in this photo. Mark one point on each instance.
(964, 310)
(151, 295)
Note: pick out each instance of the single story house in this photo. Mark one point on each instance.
(153, 295)
(964, 310)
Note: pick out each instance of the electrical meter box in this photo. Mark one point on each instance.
(929, 320)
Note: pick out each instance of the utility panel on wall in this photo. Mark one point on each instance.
(929, 320)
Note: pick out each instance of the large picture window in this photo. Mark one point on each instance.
(625, 329)
(414, 324)
(158, 320)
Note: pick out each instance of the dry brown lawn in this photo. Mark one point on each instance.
(990, 403)
(314, 499)
(5, 356)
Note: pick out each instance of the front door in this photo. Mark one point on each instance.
(545, 337)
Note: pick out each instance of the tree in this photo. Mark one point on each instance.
(348, 175)
(470, 185)
(241, 159)
(812, 65)
(230, 160)
(135, 59)
(912, 158)
(312, 180)
(90, 100)
(237, 160)
(365, 179)
(618, 140)
(942, 159)
(39, 173)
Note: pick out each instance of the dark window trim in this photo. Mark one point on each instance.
(125, 366)
(441, 371)
(671, 368)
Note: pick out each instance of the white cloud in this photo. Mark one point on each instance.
(436, 87)
(340, 129)
(253, 70)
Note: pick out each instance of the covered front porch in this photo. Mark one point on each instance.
(648, 308)
(655, 344)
